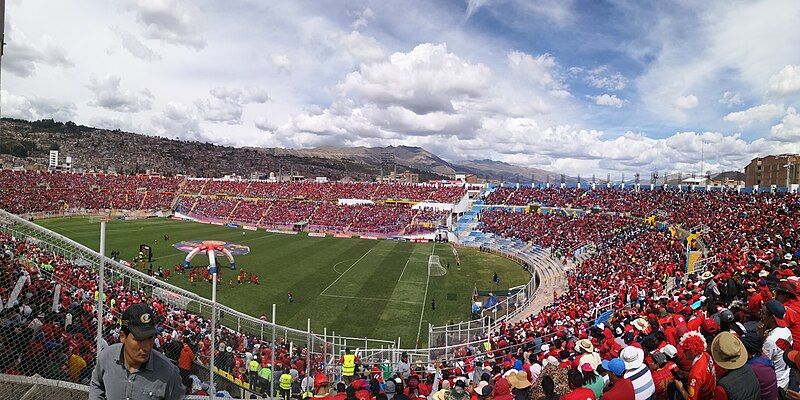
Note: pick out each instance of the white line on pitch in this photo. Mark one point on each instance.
(424, 299)
(345, 271)
(404, 270)
(370, 298)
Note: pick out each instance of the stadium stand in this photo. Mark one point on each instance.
(630, 304)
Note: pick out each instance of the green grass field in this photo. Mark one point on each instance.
(361, 288)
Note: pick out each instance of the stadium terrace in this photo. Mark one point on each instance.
(658, 293)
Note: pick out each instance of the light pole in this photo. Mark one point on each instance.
(788, 174)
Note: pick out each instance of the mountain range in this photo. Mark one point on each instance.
(27, 144)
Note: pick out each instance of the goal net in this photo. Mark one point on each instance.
(435, 267)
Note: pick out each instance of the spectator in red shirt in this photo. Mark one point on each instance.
(621, 388)
(702, 379)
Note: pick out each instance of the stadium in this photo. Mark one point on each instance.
(399, 200)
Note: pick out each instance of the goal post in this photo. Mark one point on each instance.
(435, 267)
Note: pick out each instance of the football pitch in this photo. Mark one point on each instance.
(361, 288)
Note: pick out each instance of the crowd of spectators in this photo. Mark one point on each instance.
(556, 230)
(731, 332)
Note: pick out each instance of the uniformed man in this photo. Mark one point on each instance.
(252, 373)
(285, 384)
(131, 369)
(348, 361)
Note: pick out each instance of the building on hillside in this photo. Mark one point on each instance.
(726, 183)
(403, 177)
(468, 178)
(781, 170)
(53, 160)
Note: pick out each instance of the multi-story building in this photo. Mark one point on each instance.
(780, 170)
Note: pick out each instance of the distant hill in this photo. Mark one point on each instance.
(27, 143)
(498, 170)
(423, 160)
(732, 175)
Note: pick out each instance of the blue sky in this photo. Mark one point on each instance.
(571, 86)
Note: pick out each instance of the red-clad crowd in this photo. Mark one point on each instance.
(556, 230)
(730, 332)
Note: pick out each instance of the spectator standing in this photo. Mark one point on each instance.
(132, 366)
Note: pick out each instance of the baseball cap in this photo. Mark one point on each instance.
(777, 310)
(139, 319)
(615, 365)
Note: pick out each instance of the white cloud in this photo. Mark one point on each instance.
(542, 69)
(426, 79)
(706, 44)
(255, 95)
(362, 48)
(34, 108)
(789, 128)
(22, 56)
(785, 82)
(598, 78)
(219, 110)
(227, 103)
(171, 21)
(685, 102)
(761, 113)
(136, 47)
(178, 120)
(607, 100)
(280, 62)
(731, 99)
(108, 94)
(263, 124)
(361, 17)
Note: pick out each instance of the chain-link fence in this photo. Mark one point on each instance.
(50, 287)
(446, 341)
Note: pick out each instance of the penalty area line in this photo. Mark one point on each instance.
(370, 298)
(345, 271)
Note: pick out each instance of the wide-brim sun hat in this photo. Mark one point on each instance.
(585, 345)
(728, 351)
(633, 357)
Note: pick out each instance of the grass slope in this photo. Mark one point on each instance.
(361, 288)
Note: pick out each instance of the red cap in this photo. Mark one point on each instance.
(710, 326)
(320, 380)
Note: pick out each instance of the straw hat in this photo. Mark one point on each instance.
(585, 345)
(728, 351)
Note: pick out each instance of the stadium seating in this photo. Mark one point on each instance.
(251, 202)
(638, 270)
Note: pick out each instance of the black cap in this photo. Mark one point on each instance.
(139, 319)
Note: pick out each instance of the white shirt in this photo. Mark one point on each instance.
(774, 353)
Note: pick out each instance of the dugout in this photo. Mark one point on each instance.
(299, 226)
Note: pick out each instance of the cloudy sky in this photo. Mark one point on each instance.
(572, 86)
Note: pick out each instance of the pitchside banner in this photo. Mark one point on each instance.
(341, 235)
(249, 228)
(316, 234)
(56, 297)
(283, 232)
(12, 300)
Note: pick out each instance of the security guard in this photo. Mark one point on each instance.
(252, 373)
(265, 378)
(285, 384)
(131, 369)
(348, 365)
